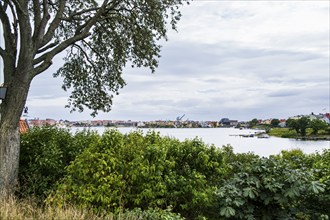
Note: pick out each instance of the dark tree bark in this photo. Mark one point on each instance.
(10, 113)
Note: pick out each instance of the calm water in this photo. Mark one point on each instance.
(224, 136)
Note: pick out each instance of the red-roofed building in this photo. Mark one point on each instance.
(23, 126)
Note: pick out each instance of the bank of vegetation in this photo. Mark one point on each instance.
(302, 128)
(148, 176)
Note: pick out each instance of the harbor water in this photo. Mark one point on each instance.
(234, 137)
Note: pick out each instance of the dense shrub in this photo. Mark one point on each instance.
(267, 189)
(45, 152)
(153, 177)
(319, 204)
(133, 170)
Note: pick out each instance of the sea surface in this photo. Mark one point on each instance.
(224, 136)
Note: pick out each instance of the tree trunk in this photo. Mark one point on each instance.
(10, 112)
(9, 160)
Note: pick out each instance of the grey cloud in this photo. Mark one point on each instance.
(283, 93)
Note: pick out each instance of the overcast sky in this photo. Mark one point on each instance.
(234, 59)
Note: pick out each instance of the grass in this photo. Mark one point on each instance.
(283, 132)
(14, 209)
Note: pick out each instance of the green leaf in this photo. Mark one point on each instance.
(227, 212)
(316, 187)
(250, 192)
(238, 202)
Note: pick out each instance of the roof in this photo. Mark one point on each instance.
(23, 126)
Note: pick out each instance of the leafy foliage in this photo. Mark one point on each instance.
(275, 122)
(45, 152)
(320, 204)
(128, 171)
(266, 189)
(125, 32)
(253, 122)
(300, 125)
(317, 125)
(154, 177)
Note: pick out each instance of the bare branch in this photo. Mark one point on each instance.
(47, 47)
(78, 13)
(2, 52)
(80, 35)
(37, 16)
(26, 52)
(40, 23)
(46, 58)
(18, 6)
(10, 39)
(54, 25)
(44, 66)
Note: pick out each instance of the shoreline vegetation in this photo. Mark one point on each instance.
(287, 133)
(139, 176)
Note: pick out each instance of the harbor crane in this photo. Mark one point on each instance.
(180, 118)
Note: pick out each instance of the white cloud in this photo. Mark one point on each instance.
(258, 24)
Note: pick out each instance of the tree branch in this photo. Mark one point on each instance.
(53, 26)
(46, 58)
(86, 56)
(78, 13)
(10, 50)
(49, 46)
(79, 36)
(89, 23)
(37, 16)
(2, 52)
(40, 26)
(18, 6)
(45, 65)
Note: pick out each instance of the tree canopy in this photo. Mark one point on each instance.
(100, 38)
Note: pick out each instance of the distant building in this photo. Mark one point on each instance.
(50, 121)
(224, 122)
(227, 122)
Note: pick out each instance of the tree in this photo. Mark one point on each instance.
(317, 125)
(292, 124)
(303, 124)
(275, 122)
(253, 122)
(300, 125)
(100, 38)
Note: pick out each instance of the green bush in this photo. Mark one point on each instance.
(150, 214)
(45, 152)
(129, 171)
(268, 188)
(153, 177)
(316, 204)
